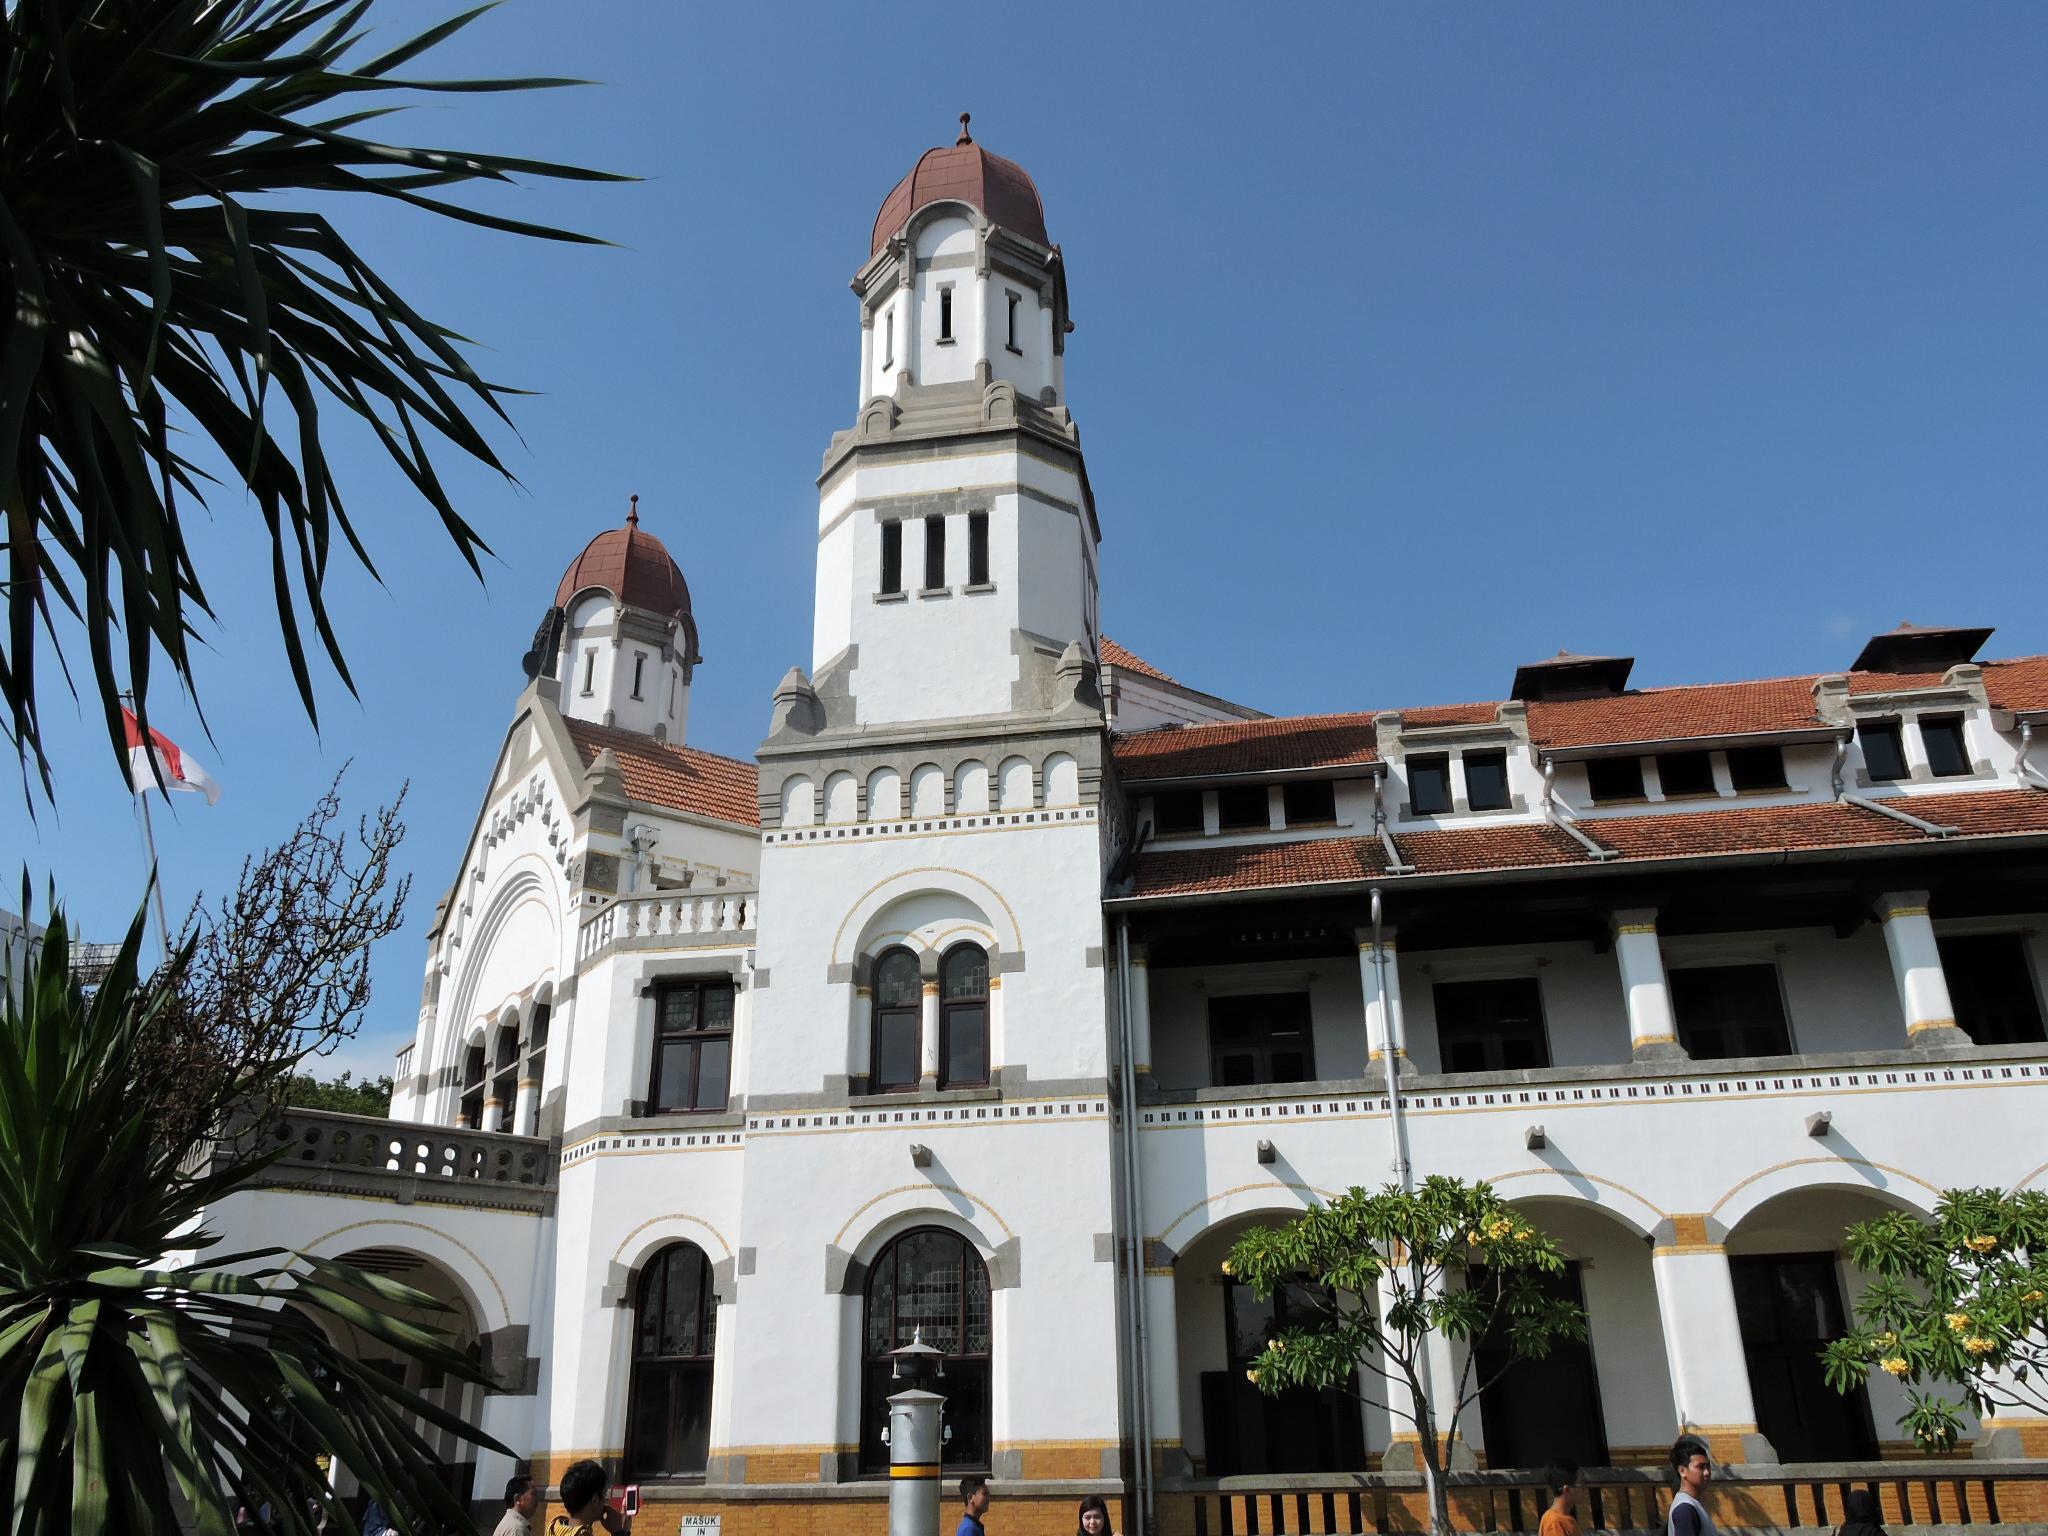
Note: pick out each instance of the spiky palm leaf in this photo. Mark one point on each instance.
(162, 298)
(138, 1370)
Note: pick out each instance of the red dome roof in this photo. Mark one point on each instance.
(966, 173)
(633, 566)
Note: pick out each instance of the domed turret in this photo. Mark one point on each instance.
(629, 639)
(962, 286)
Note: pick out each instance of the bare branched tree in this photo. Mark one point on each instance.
(278, 973)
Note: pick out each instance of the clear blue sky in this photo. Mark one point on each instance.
(1414, 342)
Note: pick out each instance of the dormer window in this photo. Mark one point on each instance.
(1884, 753)
(1614, 778)
(1176, 811)
(1243, 808)
(1486, 781)
(1685, 774)
(946, 317)
(1015, 300)
(1310, 803)
(1754, 770)
(892, 558)
(1429, 786)
(639, 671)
(1947, 757)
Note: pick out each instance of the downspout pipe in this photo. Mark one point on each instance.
(2029, 775)
(1932, 829)
(1395, 864)
(1134, 1238)
(1562, 817)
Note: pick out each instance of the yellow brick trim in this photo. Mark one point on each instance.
(1892, 912)
(1690, 1248)
(1059, 1445)
(776, 1450)
(930, 989)
(1653, 1040)
(1621, 928)
(1921, 1026)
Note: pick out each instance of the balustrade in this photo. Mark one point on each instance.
(683, 916)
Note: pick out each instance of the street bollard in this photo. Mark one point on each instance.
(915, 1441)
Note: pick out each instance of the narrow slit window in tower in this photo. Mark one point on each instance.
(1015, 299)
(934, 552)
(639, 671)
(977, 549)
(945, 315)
(892, 556)
(589, 670)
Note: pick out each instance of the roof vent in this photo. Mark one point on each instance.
(1570, 676)
(1919, 648)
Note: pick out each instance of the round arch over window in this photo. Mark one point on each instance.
(897, 1045)
(928, 1283)
(675, 1329)
(963, 1017)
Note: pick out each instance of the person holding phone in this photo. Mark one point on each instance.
(584, 1487)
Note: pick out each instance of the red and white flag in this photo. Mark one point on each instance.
(178, 770)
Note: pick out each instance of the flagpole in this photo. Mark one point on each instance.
(156, 885)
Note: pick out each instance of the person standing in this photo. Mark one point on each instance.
(974, 1504)
(1094, 1517)
(1861, 1516)
(1562, 1517)
(520, 1499)
(584, 1487)
(1695, 1467)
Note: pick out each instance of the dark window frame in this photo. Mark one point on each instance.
(935, 552)
(1693, 1032)
(639, 671)
(1180, 799)
(1251, 1036)
(476, 1070)
(966, 1362)
(977, 549)
(683, 1373)
(692, 1039)
(1892, 734)
(1630, 772)
(1242, 796)
(892, 556)
(589, 671)
(1757, 770)
(1972, 1000)
(1948, 731)
(945, 336)
(1423, 769)
(962, 1007)
(1489, 1034)
(1496, 758)
(1691, 761)
(896, 1014)
(1309, 802)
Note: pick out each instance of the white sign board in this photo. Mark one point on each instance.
(705, 1525)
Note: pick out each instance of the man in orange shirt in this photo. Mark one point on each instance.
(1562, 1518)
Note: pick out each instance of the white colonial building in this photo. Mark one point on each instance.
(1014, 979)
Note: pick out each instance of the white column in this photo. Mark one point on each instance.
(1384, 1026)
(494, 1114)
(928, 1035)
(1162, 1368)
(1441, 1372)
(981, 287)
(1141, 1012)
(1652, 1031)
(867, 357)
(1703, 1341)
(1916, 970)
(996, 1057)
(525, 1104)
(906, 360)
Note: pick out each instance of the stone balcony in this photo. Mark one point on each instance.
(711, 919)
(365, 1157)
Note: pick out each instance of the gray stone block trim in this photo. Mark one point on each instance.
(698, 1121)
(848, 1093)
(1005, 1265)
(724, 1278)
(513, 1371)
(845, 1275)
(744, 1262)
(839, 974)
(1105, 1247)
(618, 1287)
(759, 980)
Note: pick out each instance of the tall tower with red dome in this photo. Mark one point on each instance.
(624, 646)
(956, 530)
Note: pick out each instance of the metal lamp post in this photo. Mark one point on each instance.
(915, 1439)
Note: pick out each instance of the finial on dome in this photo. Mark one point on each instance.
(633, 510)
(965, 136)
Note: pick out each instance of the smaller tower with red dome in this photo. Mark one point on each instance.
(627, 644)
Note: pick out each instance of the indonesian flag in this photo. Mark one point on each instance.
(178, 770)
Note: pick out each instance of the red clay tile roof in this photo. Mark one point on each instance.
(681, 778)
(1114, 655)
(1690, 711)
(1685, 834)
(999, 188)
(1246, 746)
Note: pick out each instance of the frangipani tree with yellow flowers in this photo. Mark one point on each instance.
(1387, 1270)
(1960, 1300)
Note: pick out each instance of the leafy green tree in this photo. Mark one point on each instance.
(180, 308)
(139, 1368)
(1448, 1258)
(372, 1096)
(1961, 1300)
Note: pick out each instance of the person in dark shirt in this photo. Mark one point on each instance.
(1694, 1467)
(974, 1502)
(1862, 1514)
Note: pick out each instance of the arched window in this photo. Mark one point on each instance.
(963, 1017)
(929, 1283)
(893, 1064)
(675, 1324)
(470, 1112)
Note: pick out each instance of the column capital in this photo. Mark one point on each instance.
(1898, 904)
(1633, 920)
(1364, 938)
